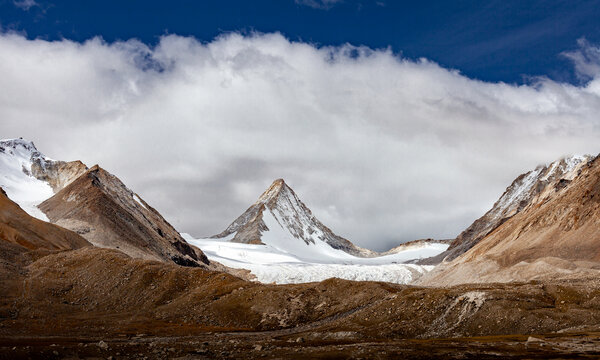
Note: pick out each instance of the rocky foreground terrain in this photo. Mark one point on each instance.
(105, 277)
(92, 302)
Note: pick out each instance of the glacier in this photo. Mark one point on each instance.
(270, 264)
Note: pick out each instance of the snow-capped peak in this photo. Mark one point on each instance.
(29, 177)
(16, 159)
(272, 192)
(24, 152)
(279, 240)
(280, 219)
(291, 213)
(19, 144)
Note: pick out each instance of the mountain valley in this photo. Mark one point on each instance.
(88, 269)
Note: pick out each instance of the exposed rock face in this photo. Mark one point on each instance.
(556, 234)
(57, 174)
(292, 215)
(525, 190)
(102, 209)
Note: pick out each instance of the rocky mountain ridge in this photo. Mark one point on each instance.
(555, 235)
(526, 190)
(102, 209)
(92, 203)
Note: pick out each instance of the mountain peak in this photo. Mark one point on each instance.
(20, 146)
(18, 142)
(280, 219)
(272, 192)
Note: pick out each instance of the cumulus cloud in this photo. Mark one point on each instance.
(381, 148)
(25, 4)
(319, 4)
(586, 60)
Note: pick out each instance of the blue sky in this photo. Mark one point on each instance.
(488, 40)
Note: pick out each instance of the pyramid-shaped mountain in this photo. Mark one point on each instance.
(280, 219)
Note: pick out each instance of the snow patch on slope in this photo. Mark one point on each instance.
(139, 201)
(16, 158)
(283, 241)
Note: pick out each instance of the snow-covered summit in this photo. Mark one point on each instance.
(280, 219)
(19, 144)
(272, 193)
(24, 152)
(17, 157)
(29, 177)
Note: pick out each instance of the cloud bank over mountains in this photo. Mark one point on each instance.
(381, 148)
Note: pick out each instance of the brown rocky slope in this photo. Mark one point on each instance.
(103, 210)
(18, 228)
(555, 235)
(523, 191)
(104, 286)
(22, 240)
(95, 294)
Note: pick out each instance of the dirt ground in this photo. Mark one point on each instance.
(300, 346)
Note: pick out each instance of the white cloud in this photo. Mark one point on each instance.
(586, 59)
(383, 149)
(319, 4)
(25, 4)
